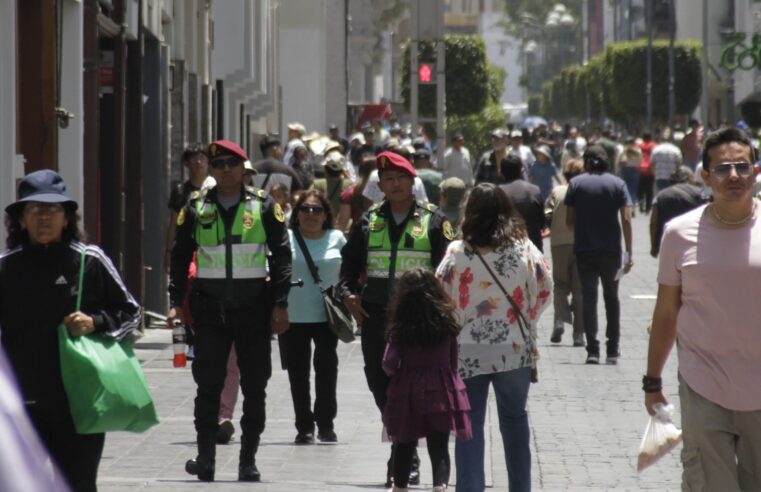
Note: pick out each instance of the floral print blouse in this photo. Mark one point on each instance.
(491, 339)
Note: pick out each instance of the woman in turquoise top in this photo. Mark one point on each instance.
(312, 218)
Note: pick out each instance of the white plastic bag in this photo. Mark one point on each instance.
(661, 436)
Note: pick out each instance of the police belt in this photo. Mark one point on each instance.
(212, 304)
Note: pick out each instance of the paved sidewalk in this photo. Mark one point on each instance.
(586, 421)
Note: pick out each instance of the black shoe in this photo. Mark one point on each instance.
(203, 465)
(249, 473)
(593, 359)
(415, 470)
(327, 435)
(225, 432)
(557, 334)
(612, 359)
(247, 470)
(304, 438)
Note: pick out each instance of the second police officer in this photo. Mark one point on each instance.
(231, 228)
(396, 235)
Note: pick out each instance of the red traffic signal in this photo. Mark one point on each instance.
(425, 73)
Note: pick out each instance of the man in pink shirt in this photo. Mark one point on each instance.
(709, 279)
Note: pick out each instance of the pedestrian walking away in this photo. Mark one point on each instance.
(311, 235)
(501, 284)
(682, 196)
(565, 273)
(595, 200)
(394, 236)
(231, 228)
(526, 198)
(39, 274)
(708, 277)
(426, 396)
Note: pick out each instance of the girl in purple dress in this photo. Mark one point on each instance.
(426, 397)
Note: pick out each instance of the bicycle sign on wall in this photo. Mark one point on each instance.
(737, 55)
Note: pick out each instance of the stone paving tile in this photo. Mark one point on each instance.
(586, 421)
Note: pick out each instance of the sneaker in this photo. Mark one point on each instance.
(593, 359)
(191, 353)
(578, 340)
(225, 432)
(327, 435)
(613, 359)
(557, 333)
(304, 438)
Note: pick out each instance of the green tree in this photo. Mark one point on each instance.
(466, 74)
(497, 77)
(477, 128)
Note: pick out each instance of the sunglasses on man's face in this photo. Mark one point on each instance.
(742, 168)
(221, 163)
(312, 209)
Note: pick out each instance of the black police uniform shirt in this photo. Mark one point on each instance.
(180, 194)
(236, 291)
(354, 253)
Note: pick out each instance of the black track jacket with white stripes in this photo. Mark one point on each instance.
(38, 288)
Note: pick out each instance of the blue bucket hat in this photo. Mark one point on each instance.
(41, 186)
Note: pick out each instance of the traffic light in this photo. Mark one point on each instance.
(425, 73)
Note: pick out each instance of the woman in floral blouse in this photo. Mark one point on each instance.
(495, 347)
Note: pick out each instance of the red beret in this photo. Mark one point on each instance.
(221, 148)
(391, 161)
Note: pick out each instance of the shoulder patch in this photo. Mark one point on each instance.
(375, 207)
(279, 214)
(181, 216)
(195, 195)
(448, 230)
(261, 194)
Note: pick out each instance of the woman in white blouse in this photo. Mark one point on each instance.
(494, 261)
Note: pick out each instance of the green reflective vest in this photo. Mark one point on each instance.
(248, 241)
(386, 260)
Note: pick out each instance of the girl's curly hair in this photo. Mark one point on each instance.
(421, 314)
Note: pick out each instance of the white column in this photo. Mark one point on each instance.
(71, 139)
(7, 107)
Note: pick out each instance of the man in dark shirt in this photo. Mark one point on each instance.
(194, 159)
(526, 197)
(271, 171)
(336, 137)
(682, 196)
(594, 201)
(487, 170)
(431, 178)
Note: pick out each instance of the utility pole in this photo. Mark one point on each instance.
(704, 69)
(672, 74)
(649, 65)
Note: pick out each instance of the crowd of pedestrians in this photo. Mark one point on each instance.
(441, 266)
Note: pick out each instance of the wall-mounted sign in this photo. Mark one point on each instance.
(737, 54)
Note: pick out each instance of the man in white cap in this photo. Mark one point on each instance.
(296, 133)
(523, 151)
(543, 173)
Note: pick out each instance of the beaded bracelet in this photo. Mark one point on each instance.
(651, 384)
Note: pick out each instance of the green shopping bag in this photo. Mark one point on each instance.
(103, 380)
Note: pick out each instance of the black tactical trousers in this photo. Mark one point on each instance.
(216, 328)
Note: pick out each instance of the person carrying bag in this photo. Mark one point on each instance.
(313, 242)
(39, 277)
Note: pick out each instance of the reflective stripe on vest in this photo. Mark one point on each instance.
(249, 242)
(379, 248)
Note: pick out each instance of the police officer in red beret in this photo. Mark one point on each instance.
(394, 236)
(231, 228)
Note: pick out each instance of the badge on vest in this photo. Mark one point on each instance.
(376, 226)
(279, 214)
(417, 230)
(448, 230)
(248, 221)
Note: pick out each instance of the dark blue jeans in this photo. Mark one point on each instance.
(602, 267)
(511, 393)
